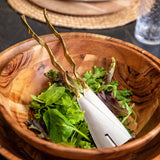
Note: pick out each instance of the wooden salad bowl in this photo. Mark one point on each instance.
(21, 74)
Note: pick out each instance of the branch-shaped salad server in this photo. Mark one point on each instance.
(105, 128)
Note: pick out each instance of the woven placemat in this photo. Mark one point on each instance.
(88, 22)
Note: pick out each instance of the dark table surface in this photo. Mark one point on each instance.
(12, 31)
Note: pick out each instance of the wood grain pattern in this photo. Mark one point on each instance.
(22, 74)
(84, 8)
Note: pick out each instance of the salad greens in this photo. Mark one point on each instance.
(57, 116)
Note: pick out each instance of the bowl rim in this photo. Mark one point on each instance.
(50, 37)
(129, 147)
(47, 146)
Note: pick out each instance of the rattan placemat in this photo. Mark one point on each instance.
(81, 8)
(81, 22)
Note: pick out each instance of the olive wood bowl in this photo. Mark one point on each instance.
(21, 74)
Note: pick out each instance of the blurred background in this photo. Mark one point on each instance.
(12, 30)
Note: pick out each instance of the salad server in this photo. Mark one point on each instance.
(105, 128)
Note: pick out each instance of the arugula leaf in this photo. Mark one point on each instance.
(112, 86)
(94, 79)
(87, 75)
(98, 72)
(123, 94)
(130, 111)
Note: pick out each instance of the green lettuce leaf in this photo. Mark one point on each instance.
(52, 94)
(74, 114)
(58, 126)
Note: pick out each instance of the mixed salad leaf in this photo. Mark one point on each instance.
(58, 118)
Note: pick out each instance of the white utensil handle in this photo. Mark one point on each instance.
(95, 100)
(106, 132)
